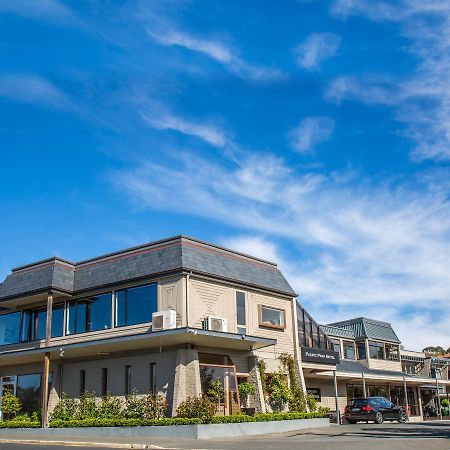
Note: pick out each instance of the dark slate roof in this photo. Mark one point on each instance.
(49, 274)
(337, 332)
(162, 257)
(362, 327)
(348, 366)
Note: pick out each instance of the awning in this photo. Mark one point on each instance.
(156, 339)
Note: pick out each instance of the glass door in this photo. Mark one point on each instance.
(7, 384)
(219, 384)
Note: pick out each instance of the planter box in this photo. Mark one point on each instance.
(210, 431)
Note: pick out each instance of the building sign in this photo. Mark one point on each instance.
(319, 355)
(315, 392)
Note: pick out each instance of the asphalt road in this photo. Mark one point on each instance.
(423, 436)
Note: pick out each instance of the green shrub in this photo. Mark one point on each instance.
(11, 405)
(217, 391)
(134, 406)
(65, 409)
(123, 422)
(36, 416)
(445, 402)
(110, 408)
(297, 401)
(87, 406)
(155, 406)
(19, 424)
(279, 393)
(312, 403)
(197, 407)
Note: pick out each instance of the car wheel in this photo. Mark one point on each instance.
(378, 417)
(352, 422)
(403, 418)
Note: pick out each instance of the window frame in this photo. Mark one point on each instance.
(126, 289)
(128, 379)
(152, 379)
(378, 345)
(241, 326)
(269, 325)
(348, 343)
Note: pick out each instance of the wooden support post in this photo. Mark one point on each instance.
(46, 373)
(336, 398)
(405, 390)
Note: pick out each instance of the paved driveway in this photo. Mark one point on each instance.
(423, 436)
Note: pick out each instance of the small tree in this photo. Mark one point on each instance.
(11, 405)
(65, 409)
(155, 406)
(134, 405)
(245, 391)
(87, 407)
(217, 392)
(110, 407)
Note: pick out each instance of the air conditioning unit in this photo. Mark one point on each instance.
(164, 320)
(215, 324)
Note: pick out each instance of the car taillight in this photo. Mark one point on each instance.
(347, 409)
(366, 408)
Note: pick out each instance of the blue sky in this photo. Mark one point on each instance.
(313, 133)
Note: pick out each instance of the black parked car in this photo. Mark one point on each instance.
(377, 409)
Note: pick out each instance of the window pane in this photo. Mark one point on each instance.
(273, 317)
(376, 350)
(121, 308)
(25, 333)
(361, 350)
(240, 308)
(392, 352)
(58, 320)
(242, 330)
(336, 345)
(99, 312)
(71, 316)
(152, 378)
(29, 392)
(136, 305)
(9, 328)
(41, 317)
(141, 304)
(349, 350)
(81, 317)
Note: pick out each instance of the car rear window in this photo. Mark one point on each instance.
(359, 402)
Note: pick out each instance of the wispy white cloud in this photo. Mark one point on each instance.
(47, 10)
(310, 132)
(34, 90)
(209, 133)
(317, 48)
(358, 243)
(219, 52)
(422, 100)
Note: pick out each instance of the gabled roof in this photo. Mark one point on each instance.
(363, 327)
(167, 256)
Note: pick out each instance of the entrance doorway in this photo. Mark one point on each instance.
(219, 384)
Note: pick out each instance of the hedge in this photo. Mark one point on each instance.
(122, 422)
(238, 418)
(19, 424)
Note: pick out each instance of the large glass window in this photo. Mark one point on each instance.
(336, 346)
(240, 313)
(90, 314)
(376, 350)
(271, 317)
(361, 347)
(58, 320)
(349, 349)
(34, 323)
(29, 392)
(9, 328)
(136, 305)
(392, 352)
